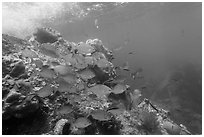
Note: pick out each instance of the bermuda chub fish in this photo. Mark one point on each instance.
(131, 52)
(137, 74)
(125, 67)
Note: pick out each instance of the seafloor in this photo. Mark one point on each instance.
(56, 87)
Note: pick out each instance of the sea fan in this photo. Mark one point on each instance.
(149, 122)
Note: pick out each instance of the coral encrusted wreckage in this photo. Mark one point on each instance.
(55, 87)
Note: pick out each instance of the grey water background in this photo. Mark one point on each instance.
(166, 39)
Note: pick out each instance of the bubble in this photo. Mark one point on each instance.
(21, 19)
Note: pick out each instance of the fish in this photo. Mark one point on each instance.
(143, 87)
(137, 92)
(137, 74)
(117, 79)
(117, 67)
(126, 42)
(118, 48)
(48, 50)
(140, 77)
(131, 52)
(135, 97)
(182, 32)
(96, 23)
(139, 69)
(125, 67)
(133, 75)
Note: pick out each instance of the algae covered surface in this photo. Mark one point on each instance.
(56, 87)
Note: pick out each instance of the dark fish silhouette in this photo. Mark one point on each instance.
(96, 23)
(182, 32)
(143, 87)
(117, 79)
(117, 67)
(131, 52)
(137, 74)
(118, 48)
(125, 67)
(139, 70)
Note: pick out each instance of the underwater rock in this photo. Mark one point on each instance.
(6, 69)
(149, 121)
(85, 49)
(103, 63)
(62, 127)
(105, 122)
(121, 96)
(79, 62)
(98, 45)
(22, 106)
(121, 101)
(103, 75)
(135, 97)
(98, 55)
(69, 59)
(9, 42)
(46, 35)
(90, 61)
(13, 96)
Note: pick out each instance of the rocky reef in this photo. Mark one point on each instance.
(55, 87)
